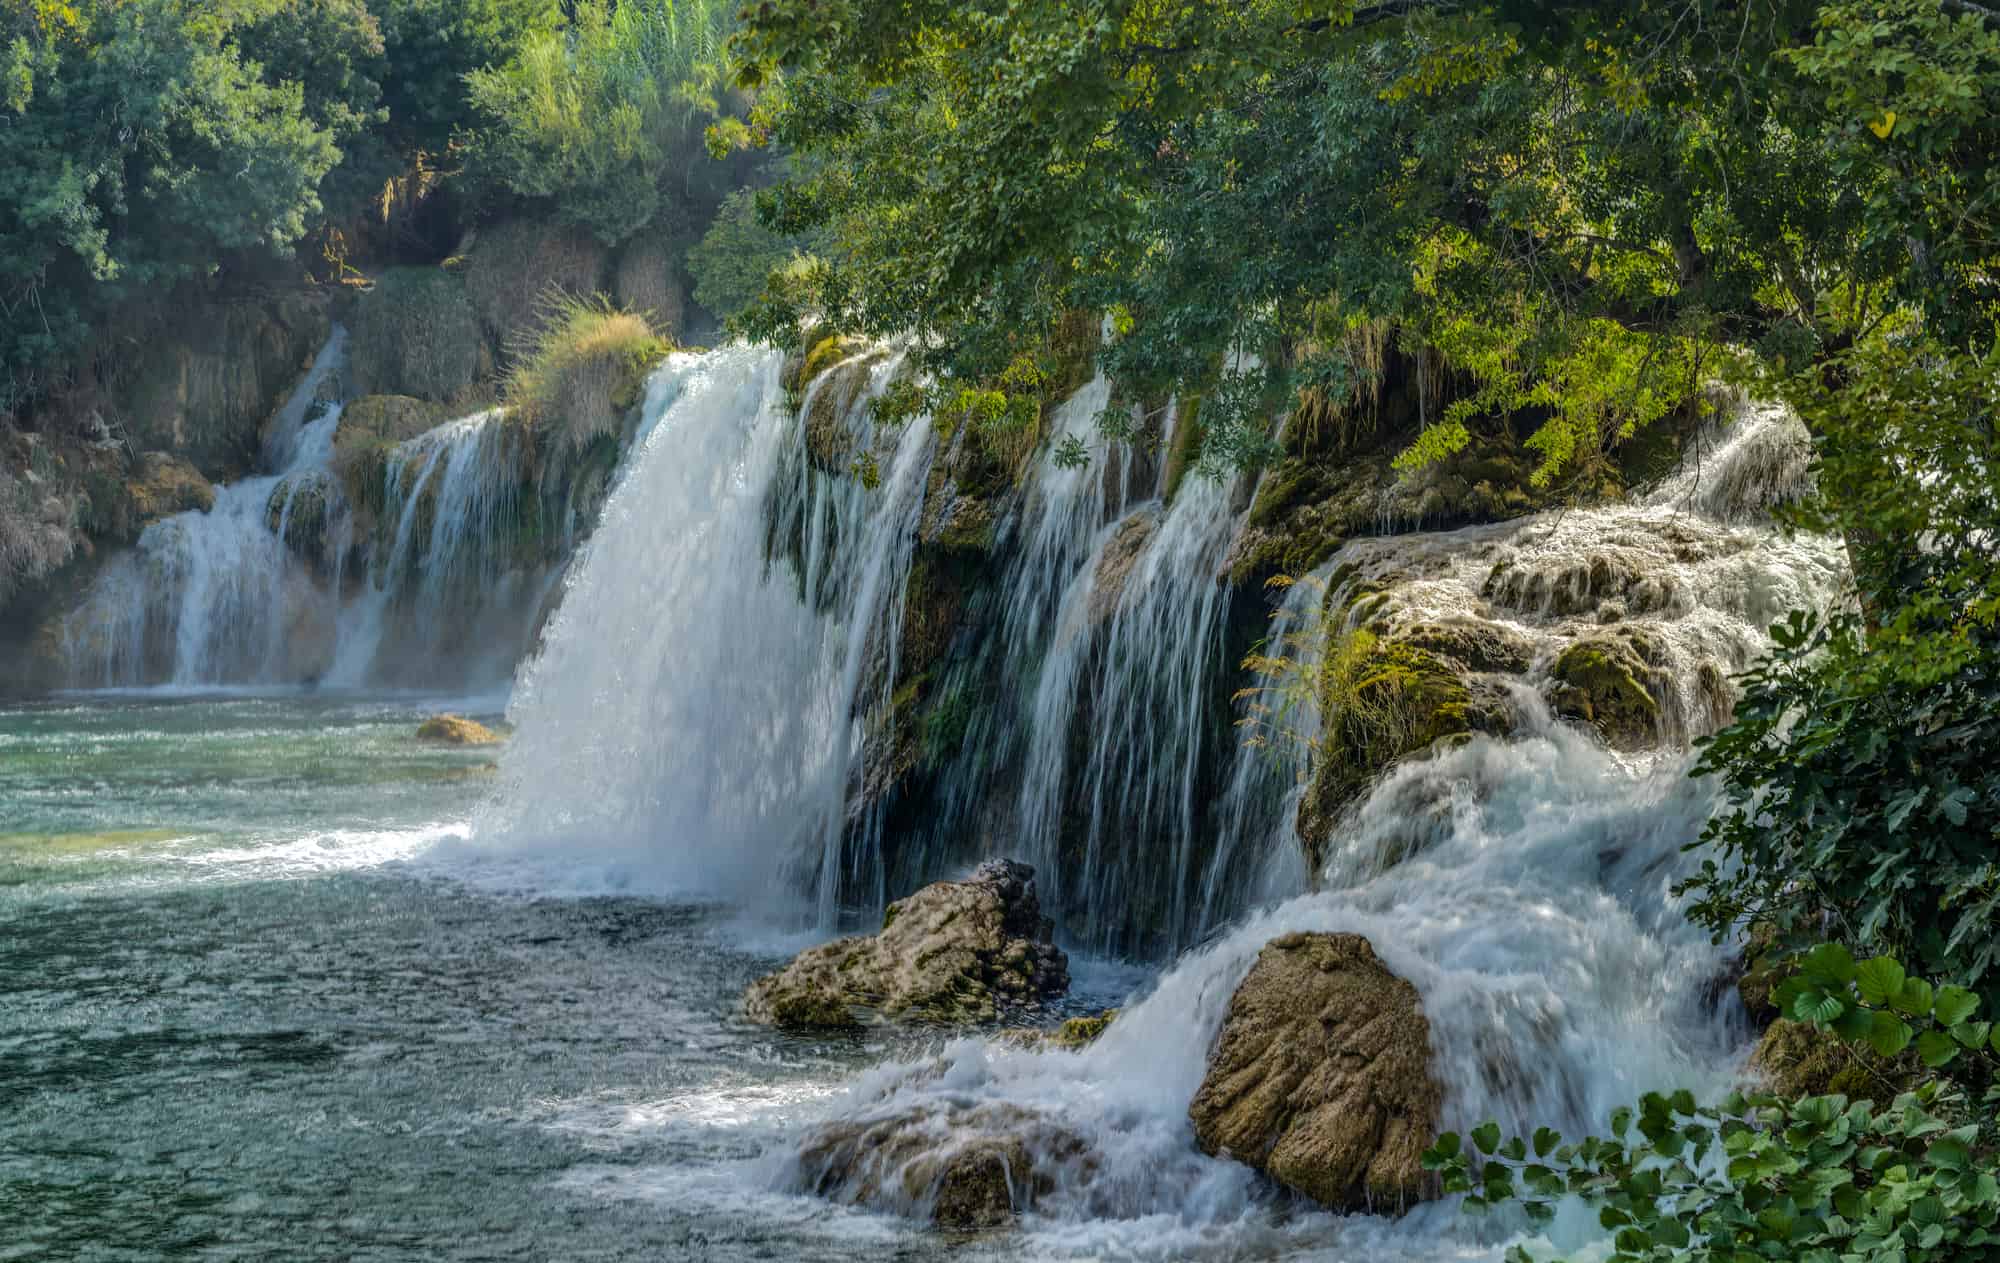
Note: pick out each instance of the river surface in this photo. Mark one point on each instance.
(258, 999)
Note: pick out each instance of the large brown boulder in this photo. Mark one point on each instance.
(955, 951)
(963, 1168)
(1321, 1076)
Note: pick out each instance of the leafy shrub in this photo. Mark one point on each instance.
(1818, 1180)
(1863, 797)
(597, 115)
(583, 369)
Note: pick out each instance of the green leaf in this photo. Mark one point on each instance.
(1936, 1048)
(1953, 1005)
(1972, 1034)
(1546, 1139)
(1486, 1136)
(1829, 965)
(1816, 1008)
(1915, 998)
(1889, 1034)
(1621, 1121)
(1879, 980)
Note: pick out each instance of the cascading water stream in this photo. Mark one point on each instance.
(212, 597)
(692, 723)
(285, 582)
(1521, 883)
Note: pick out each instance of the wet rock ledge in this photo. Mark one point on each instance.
(955, 952)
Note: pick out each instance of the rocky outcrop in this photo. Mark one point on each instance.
(416, 333)
(954, 952)
(964, 1169)
(203, 382)
(1392, 696)
(1616, 682)
(369, 428)
(163, 484)
(1793, 1060)
(456, 730)
(1321, 1076)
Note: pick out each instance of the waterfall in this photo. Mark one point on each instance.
(1522, 883)
(284, 582)
(213, 597)
(694, 722)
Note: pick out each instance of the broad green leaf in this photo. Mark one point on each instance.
(1486, 1136)
(1546, 1139)
(1915, 999)
(1953, 1005)
(1879, 980)
(1889, 1034)
(1936, 1048)
(1829, 965)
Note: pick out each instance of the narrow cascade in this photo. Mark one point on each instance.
(285, 582)
(1123, 716)
(1520, 880)
(215, 597)
(1096, 769)
(695, 720)
(440, 570)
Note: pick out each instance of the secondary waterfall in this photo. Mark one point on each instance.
(284, 581)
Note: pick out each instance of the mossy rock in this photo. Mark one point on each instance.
(830, 441)
(516, 267)
(1479, 645)
(1081, 1032)
(163, 484)
(299, 511)
(369, 429)
(1614, 681)
(1795, 1060)
(415, 333)
(1401, 699)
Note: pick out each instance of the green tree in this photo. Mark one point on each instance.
(141, 147)
(601, 117)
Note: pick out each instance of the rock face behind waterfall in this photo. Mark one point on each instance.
(956, 951)
(1321, 1076)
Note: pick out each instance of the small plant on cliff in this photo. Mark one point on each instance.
(583, 368)
(1823, 1179)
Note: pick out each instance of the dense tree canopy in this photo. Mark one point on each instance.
(1542, 191)
(144, 143)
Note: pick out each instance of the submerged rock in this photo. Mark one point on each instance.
(955, 951)
(1321, 1076)
(456, 730)
(961, 1168)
